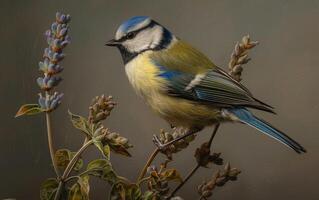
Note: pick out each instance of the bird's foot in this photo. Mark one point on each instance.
(158, 143)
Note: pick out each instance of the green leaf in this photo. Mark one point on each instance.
(105, 150)
(79, 164)
(29, 109)
(171, 175)
(125, 190)
(80, 190)
(117, 192)
(81, 123)
(134, 192)
(148, 195)
(119, 149)
(63, 157)
(101, 168)
(48, 189)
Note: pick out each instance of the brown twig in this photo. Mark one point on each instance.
(192, 172)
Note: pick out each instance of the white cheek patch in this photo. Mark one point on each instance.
(146, 39)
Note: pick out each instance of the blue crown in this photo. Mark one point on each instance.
(131, 23)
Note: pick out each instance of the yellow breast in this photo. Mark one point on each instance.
(143, 75)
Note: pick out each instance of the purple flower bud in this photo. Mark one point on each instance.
(61, 18)
(54, 68)
(54, 27)
(64, 43)
(41, 101)
(48, 82)
(53, 56)
(58, 28)
(57, 57)
(56, 45)
(68, 18)
(63, 31)
(47, 53)
(42, 66)
(40, 82)
(53, 81)
(57, 15)
(55, 100)
(48, 33)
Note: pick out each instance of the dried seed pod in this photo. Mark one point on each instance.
(220, 178)
(166, 137)
(240, 57)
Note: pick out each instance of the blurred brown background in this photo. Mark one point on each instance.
(284, 73)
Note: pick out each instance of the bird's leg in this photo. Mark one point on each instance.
(172, 126)
(162, 146)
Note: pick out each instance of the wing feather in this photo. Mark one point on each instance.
(202, 82)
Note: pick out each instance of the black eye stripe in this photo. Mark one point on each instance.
(131, 35)
(134, 33)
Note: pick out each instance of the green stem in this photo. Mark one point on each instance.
(70, 167)
(143, 180)
(50, 143)
(74, 160)
(71, 177)
(58, 192)
(148, 163)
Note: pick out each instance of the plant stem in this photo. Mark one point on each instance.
(74, 160)
(70, 167)
(70, 178)
(192, 172)
(147, 164)
(50, 143)
(58, 191)
(213, 135)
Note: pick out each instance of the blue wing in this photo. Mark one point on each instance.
(191, 75)
(213, 87)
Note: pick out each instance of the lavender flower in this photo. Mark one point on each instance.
(57, 38)
(51, 102)
(48, 82)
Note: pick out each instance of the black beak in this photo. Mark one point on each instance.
(112, 43)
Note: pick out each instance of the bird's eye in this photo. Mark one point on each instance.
(130, 35)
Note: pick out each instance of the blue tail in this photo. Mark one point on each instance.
(248, 118)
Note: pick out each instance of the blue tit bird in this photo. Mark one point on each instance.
(182, 85)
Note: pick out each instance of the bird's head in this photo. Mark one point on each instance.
(139, 34)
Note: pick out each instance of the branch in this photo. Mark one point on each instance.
(199, 163)
(148, 163)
